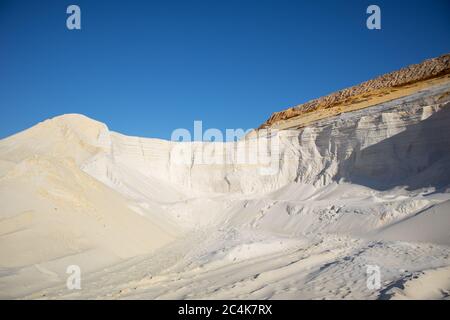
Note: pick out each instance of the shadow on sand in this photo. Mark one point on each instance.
(417, 157)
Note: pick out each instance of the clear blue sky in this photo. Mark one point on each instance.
(148, 67)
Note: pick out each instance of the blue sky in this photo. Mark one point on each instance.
(148, 67)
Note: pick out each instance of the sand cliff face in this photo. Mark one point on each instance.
(399, 143)
(395, 144)
(429, 69)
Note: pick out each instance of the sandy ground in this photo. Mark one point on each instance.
(254, 262)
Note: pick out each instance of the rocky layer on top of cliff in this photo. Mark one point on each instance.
(382, 85)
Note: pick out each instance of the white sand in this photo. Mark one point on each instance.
(365, 188)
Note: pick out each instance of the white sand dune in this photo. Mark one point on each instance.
(370, 187)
